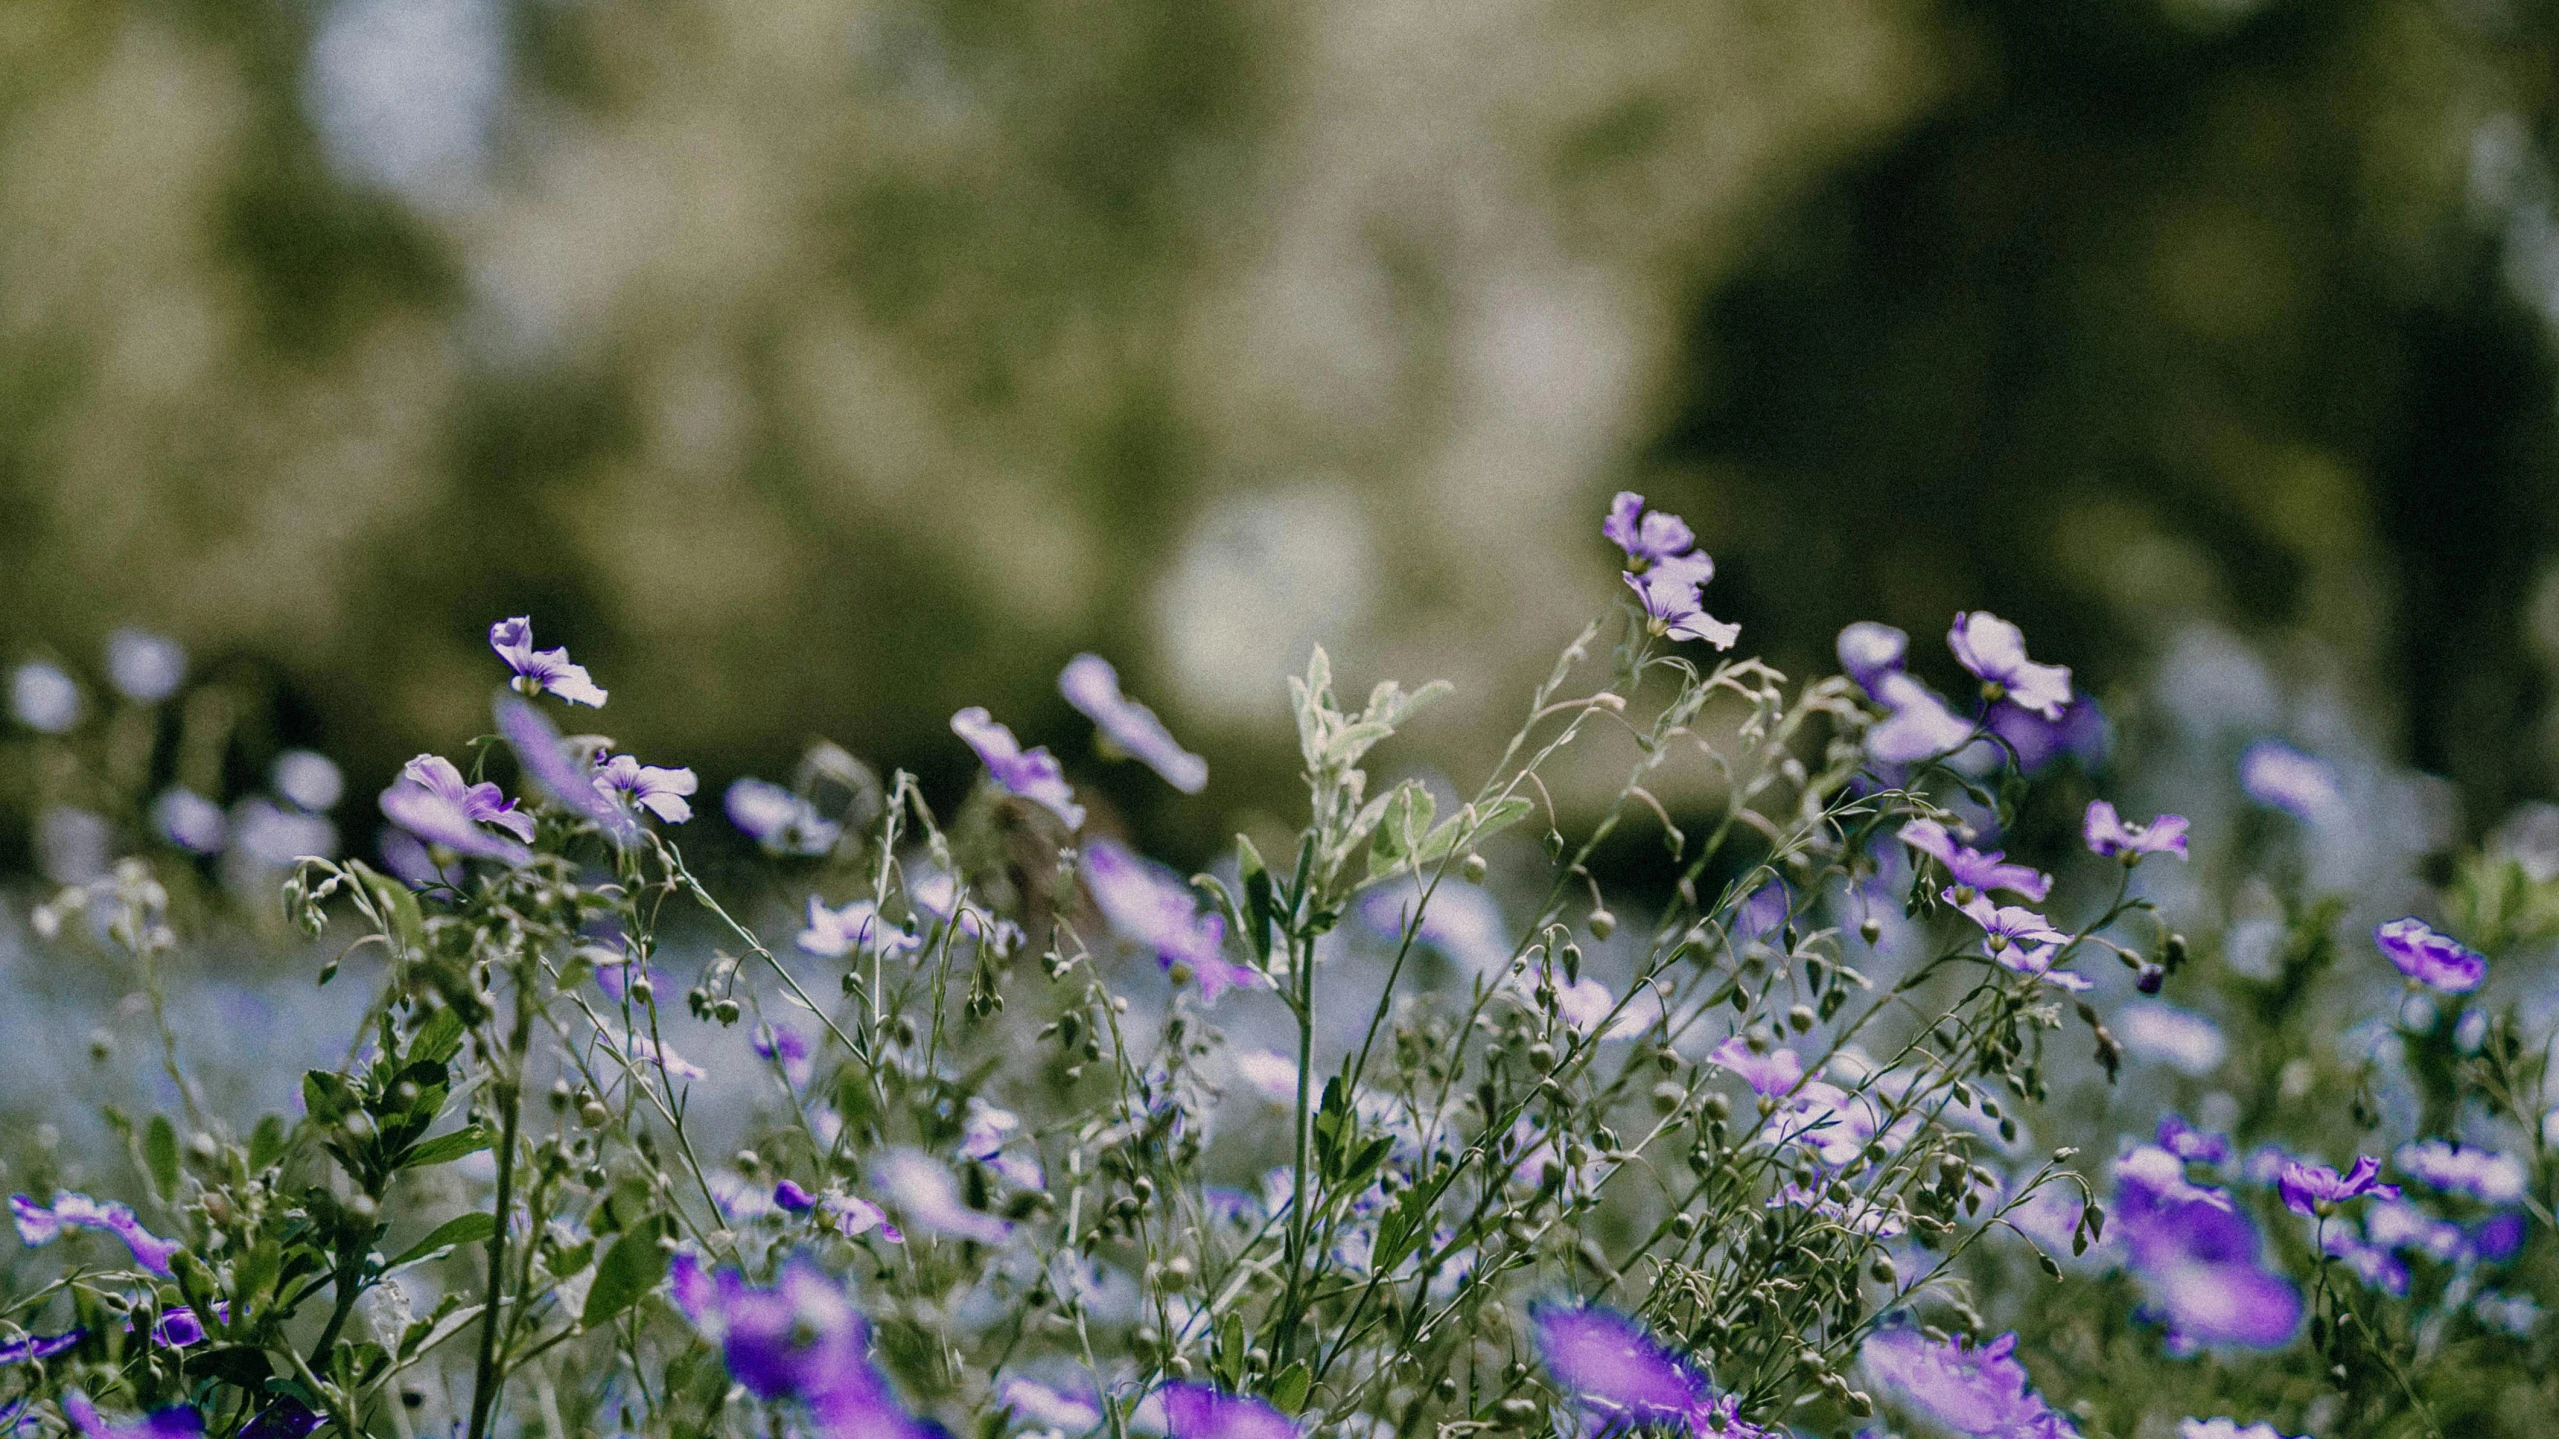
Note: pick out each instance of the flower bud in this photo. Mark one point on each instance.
(726, 1011)
(1473, 867)
(1602, 924)
(642, 991)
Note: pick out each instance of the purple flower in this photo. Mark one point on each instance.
(929, 1194)
(178, 1328)
(1201, 1411)
(1673, 604)
(1918, 727)
(1147, 905)
(832, 933)
(2181, 1039)
(2080, 733)
(539, 670)
(1980, 1392)
(1648, 539)
(1972, 869)
(44, 698)
(2185, 1141)
(1995, 651)
(2196, 1254)
(38, 1347)
(1048, 1407)
(2108, 833)
(2487, 1175)
(188, 820)
(2437, 961)
(1869, 651)
(2277, 775)
(2018, 938)
(1618, 1373)
(792, 1199)
(659, 791)
(1093, 687)
(2497, 1238)
(2307, 1187)
(311, 781)
(175, 1422)
(145, 667)
(1769, 1075)
(780, 821)
(39, 1225)
(1462, 921)
(1030, 774)
(430, 801)
(985, 1133)
(783, 1045)
(558, 774)
(283, 1419)
(2372, 1264)
(940, 896)
(798, 1340)
(1835, 1124)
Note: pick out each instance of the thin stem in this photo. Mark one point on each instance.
(487, 1379)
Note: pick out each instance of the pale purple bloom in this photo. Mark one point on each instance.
(2224, 1429)
(832, 933)
(2394, 1224)
(1648, 538)
(1769, 1074)
(1613, 1368)
(175, 1422)
(854, 1216)
(799, 1340)
(145, 667)
(36, 1348)
(1995, 651)
(1093, 687)
(1268, 1073)
(539, 670)
(550, 767)
(2497, 1238)
(2187, 1142)
(1462, 921)
(1919, 726)
(188, 820)
(1765, 911)
(1031, 774)
(1047, 1407)
(985, 1133)
(939, 895)
(1971, 868)
(2437, 961)
(1834, 1123)
(783, 1045)
(2196, 1253)
(1980, 1392)
(2108, 833)
(406, 857)
(2275, 774)
(2181, 1039)
(1201, 1411)
(311, 781)
(780, 821)
(2372, 1264)
(2017, 937)
(1673, 606)
(926, 1191)
(1868, 651)
(2487, 1175)
(649, 1050)
(1870, 1216)
(2081, 733)
(44, 698)
(431, 802)
(2305, 1187)
(39, 1225)
(1586, 1004)
(659, 791)
(1149, 906)
(268, 834)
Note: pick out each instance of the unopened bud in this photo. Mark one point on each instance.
(1473, 867)
(1602, 924)
(642, 991)
(1870, 929)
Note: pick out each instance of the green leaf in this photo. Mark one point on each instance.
(1288, 1391)
(631, 1268)
(438, 1040)
(268, 1141)
(461, 1229)
(1261, 898)
(160, 1152)
(325, 1096)
(445, 1148)
(1470, 827)
(1401, 828)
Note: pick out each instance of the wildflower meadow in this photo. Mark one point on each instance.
(1954, 1056)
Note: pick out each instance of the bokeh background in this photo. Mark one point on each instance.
(816, 367)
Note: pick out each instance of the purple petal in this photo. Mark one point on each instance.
(2437, 961)
(1201, 1411)
(1093, 688)
(550, 768)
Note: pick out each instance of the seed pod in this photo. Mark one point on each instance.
(1800, 1018)
(1571, 955)
(1870, 929)
(726, 1011)
(1602, 924)
(1473, 867)
(1668, 1095)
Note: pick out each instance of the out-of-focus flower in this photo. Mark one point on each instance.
(311, 781)
(1045, 1406)
(44, 698)
(1462, 921)
(2196, 1254)
(39, 1225)
(1832, 1122)
(1971, 868)
(73, 844)
(832, 933)
(1995, 651)
(2187, 1142)
(430, 801)
(1201, 1411)
(2183, 1040)
(1868, 651)
(2109, 834)
(2487, 1175)
(1093, 687)
(2081, 733)
(1979, 1392)
(2437, 961)
(560, 776)
(1618, 1374)
(798, 1340)
(2307, 1188)
(2281, 777)
(144, 667)
(36, 1348)
(1919, 726)
(926, 1191)
(1270, 1074)
(1769, 1074)
(1031, 774)
(783, 1045)
(986, 1133)
(1587, 1004)
(1648, 537)
(264, 833)
(539, 670)
(777, 819)
(2225, 1429)
(188, 820)
(2371, 1264)
(286, 1418)
(940, 896)
(849, 1215)
(175, 1422)
(2497, 1238)
(662, 792)
(1148, 905)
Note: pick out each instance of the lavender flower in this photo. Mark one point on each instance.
(431, 802)
(659, 791)
(1648, 538)
(1768, 1075)
(1673, 606)
(1093, 687)
(175, 1422)
(2281, 777)
(2186, 1142)
(2108, 834)
(1201, 1411)
(36, 1348)
(39, 1225)
(1995, 651)
(2313, 1188)
(984, 1133)
(1621, 1376)
(1979, 1392)
(2437, 961)
(312, 782)
(1048, 1407)
(2487, 1175)
(2181, 1039)
(1869, 651)
(188, 820)
(2081, 733)
(1147, 905)
(144, 667)
(1033, 774)
(2019, 939)
(2196, 1254)
(778, 820)
(832, 933)
(800, 1340)
(558, 774)
(929, 1194)
(179, 1328)
(2373, 1265)
(539, 670)
(940, 896)
(44, 698)
(1918, 727)
(1462, 921)
(1972, 869)
(2224, 1429)
(1832, 1122)
(783, 1045)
